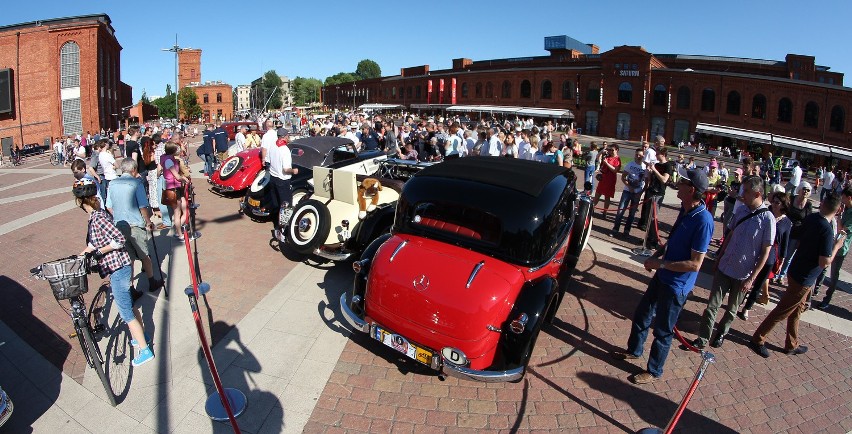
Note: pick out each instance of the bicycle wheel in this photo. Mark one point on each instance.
(95, 357)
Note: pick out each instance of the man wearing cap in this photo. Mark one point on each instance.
(677, 264)
(738, 263)
(280, 171)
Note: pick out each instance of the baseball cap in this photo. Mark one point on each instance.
(805, 185)
(696, 177)
(738, 171)
(713, 163)
(282, 132)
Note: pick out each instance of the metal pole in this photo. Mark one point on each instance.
(706, 359)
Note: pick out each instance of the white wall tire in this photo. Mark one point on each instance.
(309, 226)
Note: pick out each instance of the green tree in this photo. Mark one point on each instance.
(270, 89)
(165, 106)
(368, 69)
(340, 77)
(305, 90)
(189, 103)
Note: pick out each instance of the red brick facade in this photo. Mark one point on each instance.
(802, 99)
(189, 67)
(33, 50)
(215, 98)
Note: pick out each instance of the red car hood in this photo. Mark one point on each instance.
(425, 288)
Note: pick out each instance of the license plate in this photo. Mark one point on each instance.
(253, 202)
(402, 345)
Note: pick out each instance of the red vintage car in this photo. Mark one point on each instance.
(238, 172)
(477, 261)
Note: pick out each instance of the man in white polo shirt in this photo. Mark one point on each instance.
(280, 171)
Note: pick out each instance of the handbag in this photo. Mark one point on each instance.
(169, 198)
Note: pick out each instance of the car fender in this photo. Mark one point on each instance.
(534, 299)
(359, 286)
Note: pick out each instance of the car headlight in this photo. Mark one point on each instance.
(454, 356)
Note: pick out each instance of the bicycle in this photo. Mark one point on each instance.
(68, 278)
(55, 159)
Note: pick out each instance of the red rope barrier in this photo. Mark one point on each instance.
(208, 356)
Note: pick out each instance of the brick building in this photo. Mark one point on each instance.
(65, 76)
(215, 97)
(630, 93)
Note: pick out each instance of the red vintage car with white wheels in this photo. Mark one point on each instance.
(237, 173)
(476, 263)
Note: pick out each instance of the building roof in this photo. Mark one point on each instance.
(761, 77)
(722, 59)
(104, 18)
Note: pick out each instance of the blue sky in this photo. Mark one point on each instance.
(240, 40)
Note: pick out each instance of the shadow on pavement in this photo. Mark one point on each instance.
(651, 408)
(18, 378)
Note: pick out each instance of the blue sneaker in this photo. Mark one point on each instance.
(147, 341)
(144, 356)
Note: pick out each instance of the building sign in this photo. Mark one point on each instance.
(429, 92)
(453, 91)
(441, 91)
(628, 73)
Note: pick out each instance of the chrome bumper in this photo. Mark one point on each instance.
(337, 255)
(443, 365)
(351, 317)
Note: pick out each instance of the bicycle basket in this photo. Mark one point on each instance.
(67, 277)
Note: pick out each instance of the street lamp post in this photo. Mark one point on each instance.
(175, 49)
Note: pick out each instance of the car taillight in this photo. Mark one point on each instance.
(518, 324)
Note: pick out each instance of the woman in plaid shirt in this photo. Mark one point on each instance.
(106, 243)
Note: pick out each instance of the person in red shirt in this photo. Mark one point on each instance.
(610, 166)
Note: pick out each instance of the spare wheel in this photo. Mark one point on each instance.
(259, 185)
(230, 167)
(309, 226)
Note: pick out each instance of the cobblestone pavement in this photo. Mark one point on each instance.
(259, 310)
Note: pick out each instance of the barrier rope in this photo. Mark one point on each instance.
(208, 356)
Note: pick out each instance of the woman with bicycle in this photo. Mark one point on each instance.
(106, 243)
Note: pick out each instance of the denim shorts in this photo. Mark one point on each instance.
(119, 280)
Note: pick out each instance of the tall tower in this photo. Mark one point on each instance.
(189, 67)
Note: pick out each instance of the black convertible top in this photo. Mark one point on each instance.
(530, 177)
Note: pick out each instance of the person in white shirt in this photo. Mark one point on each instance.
(280, 171)
(107, 161)
(650, 156)
(795, 179)
(240, 139)
(495, 147)
(267, 141)
(59, 149)
(827, 179)
(469, 142)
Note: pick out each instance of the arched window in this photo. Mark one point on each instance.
(811, 114)
(526, 89)
(593, 93)
(566, 89)
(417, 91)
(683, 97)
(708, 100)
(401, 92)
(785, 110)
(219, 97)
(506, 90)
(625, 92)
(69, 65)
(660, 95)
(478, 90)
(489, 90)
(393, 92)
(758, 107)
(69, 78)
(206, 99)
(546, 89)
(408, 92)
(464, 90)
(837, 119)
(733, 106)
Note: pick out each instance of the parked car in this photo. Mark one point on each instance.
(333, 206)
(477, 261)
(234, 127)
(308, 152)
(6, 407)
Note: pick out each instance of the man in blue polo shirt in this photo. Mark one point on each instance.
(676, 273)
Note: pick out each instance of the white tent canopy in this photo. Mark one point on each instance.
(380, 107)
(520, 111)
(782, 141)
